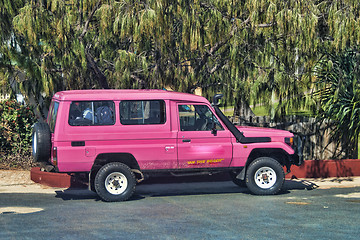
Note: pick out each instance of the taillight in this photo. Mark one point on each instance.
(54, 155)
(289, 141)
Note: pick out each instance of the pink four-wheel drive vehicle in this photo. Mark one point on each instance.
(117, 136)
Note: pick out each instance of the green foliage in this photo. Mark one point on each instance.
(260, 52)
(338, 81)
(15, 128)
(257, 51)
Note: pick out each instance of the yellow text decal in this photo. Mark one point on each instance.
(209, 161)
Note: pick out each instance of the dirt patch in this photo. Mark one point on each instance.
(14, 177)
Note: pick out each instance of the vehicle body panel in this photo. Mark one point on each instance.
(154, 146)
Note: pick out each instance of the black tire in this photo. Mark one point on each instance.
(239, 182)
(41, 142)
(265, 176)
(115, 182)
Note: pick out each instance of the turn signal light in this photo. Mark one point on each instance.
(289, 141)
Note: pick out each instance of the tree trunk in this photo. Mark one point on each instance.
(32, 98)
(242, 109)
(100, 77)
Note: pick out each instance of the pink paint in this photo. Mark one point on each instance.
(154, 146)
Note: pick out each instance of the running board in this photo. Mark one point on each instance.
(194, 173)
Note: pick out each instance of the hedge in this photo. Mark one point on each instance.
(16, 122)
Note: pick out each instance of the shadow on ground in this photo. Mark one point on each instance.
(297, 184)
(180, 188)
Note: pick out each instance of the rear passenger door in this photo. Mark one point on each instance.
(146, 128)
(203, 142)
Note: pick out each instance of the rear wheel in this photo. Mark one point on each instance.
(265, 176)
(115, 182)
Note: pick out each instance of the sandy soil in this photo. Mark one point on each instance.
(15, 177)
(18, 181)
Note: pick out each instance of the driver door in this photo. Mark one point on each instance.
(203, 142)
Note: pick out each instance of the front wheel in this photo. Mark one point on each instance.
(265, 176)
(115, 182)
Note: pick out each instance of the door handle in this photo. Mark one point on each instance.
(167, 148)
(186, 140)
(78, 144)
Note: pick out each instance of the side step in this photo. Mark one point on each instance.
(194, 173)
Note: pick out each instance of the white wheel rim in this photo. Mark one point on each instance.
(116, 183)
(265, 177)
(34, 143)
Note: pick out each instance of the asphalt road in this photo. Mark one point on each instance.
(200, 210)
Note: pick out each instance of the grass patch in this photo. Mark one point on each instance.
(263, 111)
(260, 111)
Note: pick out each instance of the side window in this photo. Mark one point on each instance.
(89, 113)
(142, 112)
(197, 118)
(53, 114)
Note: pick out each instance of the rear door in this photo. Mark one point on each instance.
(86, 128)
(203, 142)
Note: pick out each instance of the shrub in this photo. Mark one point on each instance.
(338, 80)
(16, 123)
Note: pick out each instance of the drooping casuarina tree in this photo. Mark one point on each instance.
(249, 49)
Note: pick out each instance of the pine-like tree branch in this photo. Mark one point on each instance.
(209, 53)
(141, 82)
(98, 73)
(86, 26)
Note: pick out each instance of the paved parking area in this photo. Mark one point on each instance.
(198, 210)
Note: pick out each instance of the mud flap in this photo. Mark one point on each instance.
(241, 175)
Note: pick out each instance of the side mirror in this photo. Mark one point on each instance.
(216, 99)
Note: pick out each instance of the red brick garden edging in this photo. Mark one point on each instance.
(51, 179)
(326, 169)
(309, 169)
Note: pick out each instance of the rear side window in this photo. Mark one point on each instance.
(92, 113)
(142, 112)
(53, 114)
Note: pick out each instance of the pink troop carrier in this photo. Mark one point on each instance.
(116, 137)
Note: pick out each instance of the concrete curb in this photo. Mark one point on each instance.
(309, 169)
